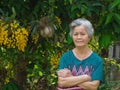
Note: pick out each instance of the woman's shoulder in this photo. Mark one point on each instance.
(67, 52)
(97, 56)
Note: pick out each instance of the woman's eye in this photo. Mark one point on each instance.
(82, 34)
(75, 34)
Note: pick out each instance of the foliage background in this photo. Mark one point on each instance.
(35, 65)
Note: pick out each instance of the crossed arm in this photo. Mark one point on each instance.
(65, 79)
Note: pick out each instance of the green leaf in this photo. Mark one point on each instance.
(116, 27)
(70, 1)
(14, 13)
(73, 8)
(101, 20)
(58, 44)
(97, 4)
(83, 9)
(1, 11)
(69, 39)
(104, 40)
(4, 87)
(117, 17)
(14, 86)
(109, 18)
(119, 7)
(40, 73)
(115, 3)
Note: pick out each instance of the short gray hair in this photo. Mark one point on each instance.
(82, 21)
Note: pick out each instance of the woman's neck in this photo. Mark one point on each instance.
(82, 52)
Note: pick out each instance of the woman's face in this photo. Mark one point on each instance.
(80, 36)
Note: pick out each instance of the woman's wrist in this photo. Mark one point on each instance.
(86, 78)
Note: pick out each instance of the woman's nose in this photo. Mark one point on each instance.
(79, 36)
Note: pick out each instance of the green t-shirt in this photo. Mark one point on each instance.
(92, 65)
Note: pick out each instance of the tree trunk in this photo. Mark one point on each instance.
(20, 70)
(3, 74)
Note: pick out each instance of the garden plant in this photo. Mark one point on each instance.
(35, 33)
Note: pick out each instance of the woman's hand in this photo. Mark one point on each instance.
(71, 81)
(64, 73)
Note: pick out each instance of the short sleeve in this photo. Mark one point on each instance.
(98, 72)
(62, 62)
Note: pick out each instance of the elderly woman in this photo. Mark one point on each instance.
(80, 68)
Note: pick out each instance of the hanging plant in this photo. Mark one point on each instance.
(46, 27)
